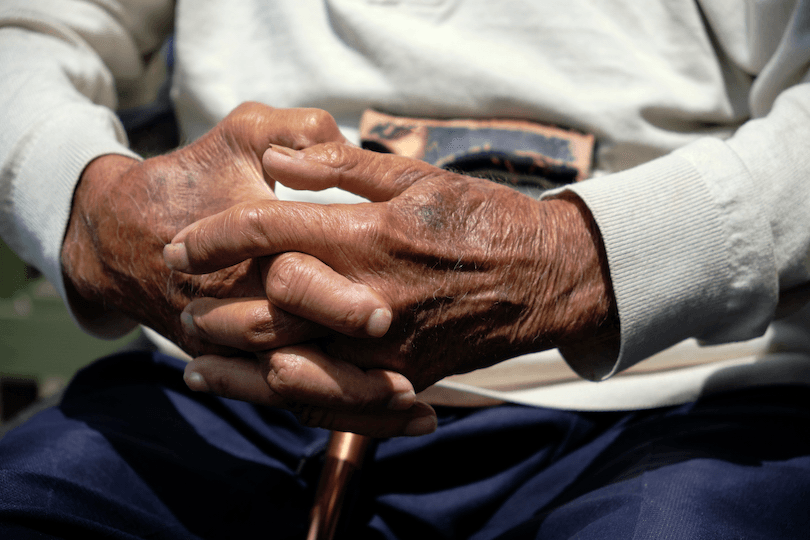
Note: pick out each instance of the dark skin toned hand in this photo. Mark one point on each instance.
(125, 211)
(474, 271)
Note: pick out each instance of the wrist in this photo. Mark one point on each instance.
(83, 266)
(577, 307)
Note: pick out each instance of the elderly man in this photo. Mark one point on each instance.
(693, 225)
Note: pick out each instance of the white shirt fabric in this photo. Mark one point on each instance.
(701, 111)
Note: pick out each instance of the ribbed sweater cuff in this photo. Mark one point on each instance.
(686, 257)
(48, 170)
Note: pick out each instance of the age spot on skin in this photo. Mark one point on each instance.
(432, 213)
(430, 216)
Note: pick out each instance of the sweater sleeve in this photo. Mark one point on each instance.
(61, 63)
(703, 242)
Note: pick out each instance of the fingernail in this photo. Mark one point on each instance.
(284, 150)
(188, 323)
(175, 256)
(195, 381)
(421, 426)
(402, 400)
(379, 322)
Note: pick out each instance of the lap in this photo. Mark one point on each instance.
(130, 453)
(735, 465)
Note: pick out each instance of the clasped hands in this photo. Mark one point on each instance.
(348, 310)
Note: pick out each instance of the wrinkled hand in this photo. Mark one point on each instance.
(125, 211)
(475, 272)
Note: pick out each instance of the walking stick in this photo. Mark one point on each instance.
(344, 455)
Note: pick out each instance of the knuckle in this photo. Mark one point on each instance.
(337, 155)
(317, 118)
(285, 280)
(343, 162)
(261, 330)
(250, 221)
(248, 217)
(316, 125)
(246, 116)
(283, 377)
(247, 108)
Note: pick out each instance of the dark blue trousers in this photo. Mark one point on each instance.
(131, 453)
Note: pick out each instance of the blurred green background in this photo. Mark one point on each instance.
(38, 338)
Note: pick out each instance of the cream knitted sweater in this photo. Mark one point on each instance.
(701, 111)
